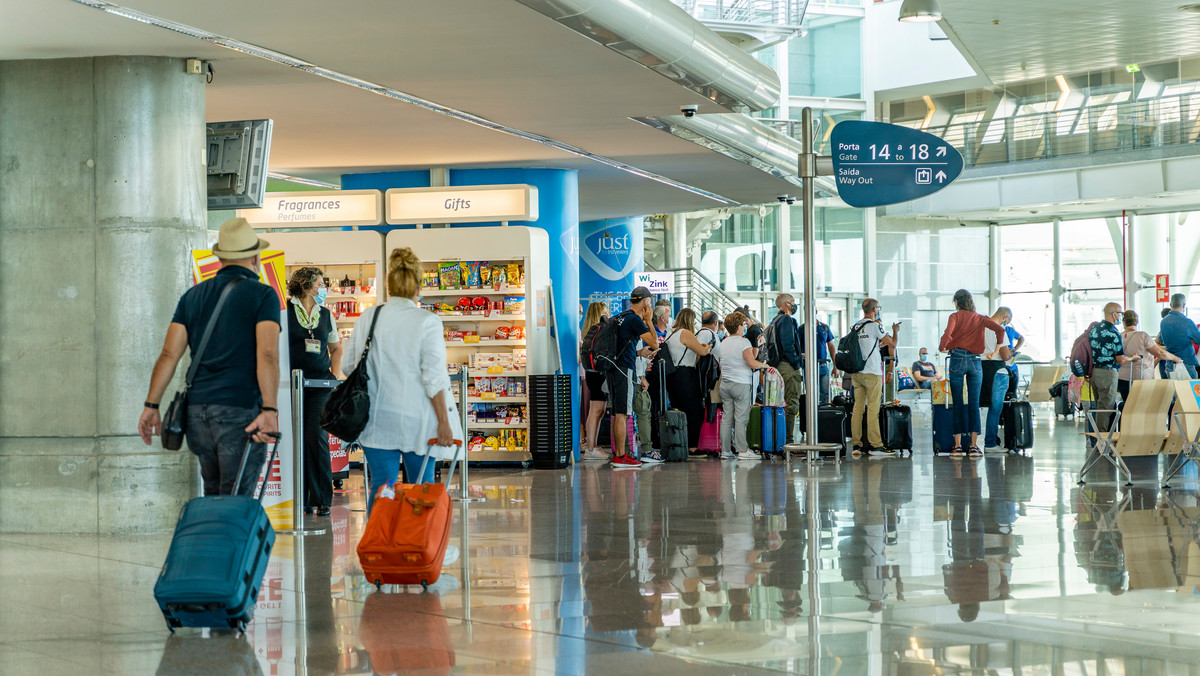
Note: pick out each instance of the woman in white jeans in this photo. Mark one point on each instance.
(737, 387)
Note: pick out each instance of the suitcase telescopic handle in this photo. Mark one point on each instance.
(275, 436)
(429, 452)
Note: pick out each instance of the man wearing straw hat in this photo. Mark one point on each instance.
(236, 385)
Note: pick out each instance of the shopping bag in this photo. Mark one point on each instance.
(941, 392)
(773, 389)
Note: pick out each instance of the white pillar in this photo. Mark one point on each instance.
(783, 252)
(1056, 291)
(993, 267)
(675, 242)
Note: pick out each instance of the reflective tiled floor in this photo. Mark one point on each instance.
(996, 565)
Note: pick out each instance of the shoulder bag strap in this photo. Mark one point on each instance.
(685, 347)
(370, 336)
(208, 329)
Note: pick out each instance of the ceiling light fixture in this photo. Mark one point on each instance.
(431, 106)
(1066, 92)
(920, 11)
(303, 181)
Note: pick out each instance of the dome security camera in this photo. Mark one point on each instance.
(689, 110)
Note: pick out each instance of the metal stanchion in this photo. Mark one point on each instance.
(463, 495)
(298, 459)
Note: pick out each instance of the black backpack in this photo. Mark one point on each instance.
(772, 351)
(586, 353)
(606, 346)
(850, 358)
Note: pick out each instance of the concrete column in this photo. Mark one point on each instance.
(1056, 291)
(101, 160)
(870, 253)
(675, 242)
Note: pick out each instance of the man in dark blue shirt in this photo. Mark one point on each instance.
(786, 356)
(622, 381)
(1108, 353)
(233, 394)
(1179, 334)
(826, 346)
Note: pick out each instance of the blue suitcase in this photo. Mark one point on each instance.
(217, 559)
(774, 429)
(943, 429)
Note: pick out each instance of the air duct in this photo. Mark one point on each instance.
(744, 139)
(666, 39)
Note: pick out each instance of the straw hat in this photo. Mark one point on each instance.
(238, 240)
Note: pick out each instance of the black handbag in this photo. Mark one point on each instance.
(174, 421)
(348, 406)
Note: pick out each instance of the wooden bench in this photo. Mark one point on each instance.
(1043, 378)
(1140, 429)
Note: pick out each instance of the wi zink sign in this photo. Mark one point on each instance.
(659, 283)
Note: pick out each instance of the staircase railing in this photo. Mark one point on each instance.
(700, 293)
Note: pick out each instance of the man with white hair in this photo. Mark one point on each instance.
(1108, 353)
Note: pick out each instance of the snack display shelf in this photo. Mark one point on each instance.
(497, 400)
(485, 343)
(349, 296)
(484, 373)
(498, 456)
(440, 293)
(498, 426)
(482, 318)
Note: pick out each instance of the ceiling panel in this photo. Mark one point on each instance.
(493, 58)
(1017, 40)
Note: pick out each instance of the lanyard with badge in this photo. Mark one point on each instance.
(312, 344)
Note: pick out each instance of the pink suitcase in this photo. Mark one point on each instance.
(710, 435)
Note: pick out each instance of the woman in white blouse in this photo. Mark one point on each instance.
(738, 365)
(409, 385)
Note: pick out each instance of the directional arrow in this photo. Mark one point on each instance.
(940, 176)
(941, 151)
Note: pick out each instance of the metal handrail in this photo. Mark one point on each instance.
(1111, 127)
(701, 293)
(783, 13)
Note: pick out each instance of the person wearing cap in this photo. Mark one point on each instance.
(236, 385)
(623, 381)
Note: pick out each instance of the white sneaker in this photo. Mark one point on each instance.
(995, 449)
(594, 454)
(748, 455)
(726, 455)
(451, 556)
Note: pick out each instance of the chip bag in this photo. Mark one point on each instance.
(450, 275)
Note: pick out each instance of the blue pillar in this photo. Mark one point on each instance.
(558, 215)
(610, 253)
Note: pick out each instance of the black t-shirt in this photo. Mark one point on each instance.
(629, 327)
(314, 364)
(754, 334)
(228, 373)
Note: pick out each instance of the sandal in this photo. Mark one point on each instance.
(956, 452)
(974, 451)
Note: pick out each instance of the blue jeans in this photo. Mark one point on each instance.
(383, 465)
(966, 408)
(999, 389)
(216, 435)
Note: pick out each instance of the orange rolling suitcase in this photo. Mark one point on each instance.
(406, 536)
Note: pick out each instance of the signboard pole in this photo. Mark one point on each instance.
(808, 173)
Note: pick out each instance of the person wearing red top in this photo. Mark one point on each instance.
(963, 339)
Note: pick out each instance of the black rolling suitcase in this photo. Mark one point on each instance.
(895, 427)
(1017, 418)
(671, 425)
(833, 426)
(1062, 402)
(217, 559)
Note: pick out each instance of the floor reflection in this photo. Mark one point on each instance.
(996, 565)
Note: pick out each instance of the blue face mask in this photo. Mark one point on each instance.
(321, 293)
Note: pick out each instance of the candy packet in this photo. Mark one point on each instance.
(450, 275)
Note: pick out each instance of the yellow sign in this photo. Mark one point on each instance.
(487, 396)
(495, 369)
(470, 339)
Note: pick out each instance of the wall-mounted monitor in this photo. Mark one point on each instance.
(237, 157)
